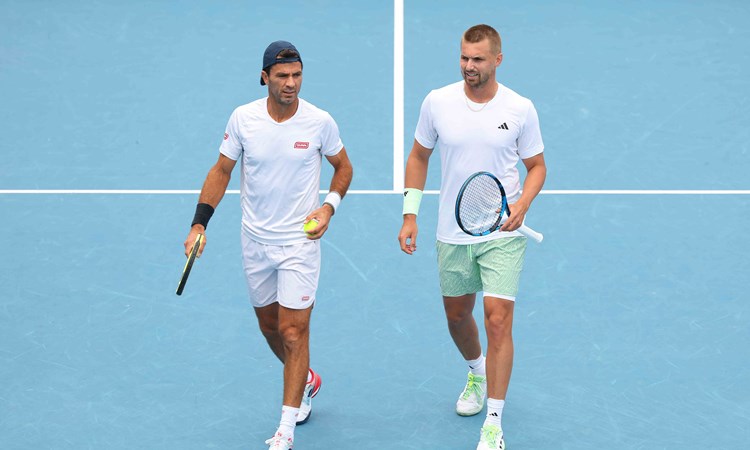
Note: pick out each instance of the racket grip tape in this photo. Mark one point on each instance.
(526, 231)
(531, 234)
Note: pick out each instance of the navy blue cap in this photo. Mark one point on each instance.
(271, 53)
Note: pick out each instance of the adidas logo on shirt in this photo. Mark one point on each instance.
(504, 126)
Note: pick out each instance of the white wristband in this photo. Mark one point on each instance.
(333, 198)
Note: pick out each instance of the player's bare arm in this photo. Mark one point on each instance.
(342, 178)
(532, 185)
(212, 192)
(415, 177)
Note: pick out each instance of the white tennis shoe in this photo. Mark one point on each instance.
(471, 400)
(491, 438)
(280, 442)
(311, 390)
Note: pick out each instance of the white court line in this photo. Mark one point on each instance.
(647, 192)
(398, 95)
(372, 192)
(149, 191)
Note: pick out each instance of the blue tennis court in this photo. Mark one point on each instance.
(632, 325)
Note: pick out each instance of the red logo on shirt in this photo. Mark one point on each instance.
(226, 136)
(302, 145)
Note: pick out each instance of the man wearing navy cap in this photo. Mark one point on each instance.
(281, 140)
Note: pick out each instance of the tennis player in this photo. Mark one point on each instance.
(281, 140)
(478, 124)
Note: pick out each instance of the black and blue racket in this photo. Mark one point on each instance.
(482, 207)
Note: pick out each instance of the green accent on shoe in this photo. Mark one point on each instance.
(474, 386)
(492, 435)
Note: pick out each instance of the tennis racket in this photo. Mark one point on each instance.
(482, 207)
(189, 264)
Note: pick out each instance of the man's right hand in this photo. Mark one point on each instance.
(194, 232)
(407, 238)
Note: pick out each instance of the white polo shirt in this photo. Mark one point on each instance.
(474, 137)
(280, 170)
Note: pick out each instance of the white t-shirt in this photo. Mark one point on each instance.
(486, 137)
(280, 170)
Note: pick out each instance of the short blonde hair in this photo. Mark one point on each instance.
(478, 33)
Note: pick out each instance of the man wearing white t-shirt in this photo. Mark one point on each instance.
(281, 140)
(478, 125)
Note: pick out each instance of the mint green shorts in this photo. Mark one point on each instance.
(493, 267)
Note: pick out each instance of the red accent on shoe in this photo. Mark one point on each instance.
(316, 382)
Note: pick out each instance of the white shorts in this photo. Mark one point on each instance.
(287, 274)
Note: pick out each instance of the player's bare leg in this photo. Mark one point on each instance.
(498, 321)
(462, 326)
(294, 329)
(463, 330)
(287, 332)
(268, 321)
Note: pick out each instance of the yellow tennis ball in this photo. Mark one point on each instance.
(310, 225)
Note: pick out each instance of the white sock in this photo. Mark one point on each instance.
(309, 375)
(494, 412)
(288, 420)
(477, 366)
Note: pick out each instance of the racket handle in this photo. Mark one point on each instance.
(526, 231)
(531, 234)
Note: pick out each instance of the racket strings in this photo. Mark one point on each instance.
(480, 206)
